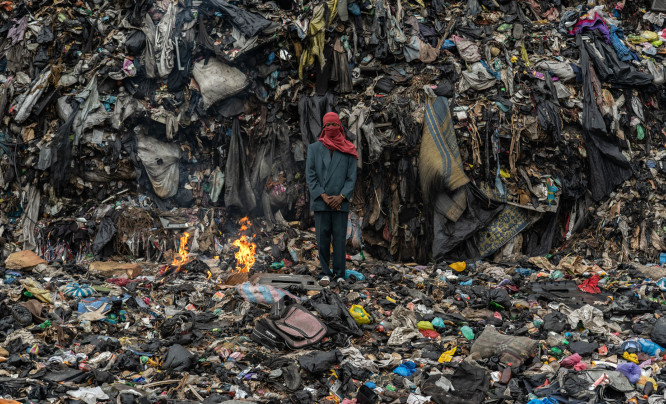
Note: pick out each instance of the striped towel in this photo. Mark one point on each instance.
(262, 293)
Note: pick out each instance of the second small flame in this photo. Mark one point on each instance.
(183, 252)
(245, 257)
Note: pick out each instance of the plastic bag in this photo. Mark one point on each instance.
(161, 163)
(360, 315)
(104, 235)
(425, 325)
(135, 43)
(458, 266)
(334, 313)
(218, 81)
(658, 334)
(320, 361)
(36, 290)
(237, 188)
(179, 359)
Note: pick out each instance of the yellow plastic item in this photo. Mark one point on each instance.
(35, 288)
(447, 356)
(630, 357)
(649, 36)
(458, 266)
(504, 173)
(359, 314)
(645, 380)
(425, 325)
(657, 43)
(390, 299)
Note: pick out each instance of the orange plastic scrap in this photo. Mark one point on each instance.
(7, 6)
(5, 401)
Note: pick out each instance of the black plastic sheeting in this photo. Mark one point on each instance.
(608, 166)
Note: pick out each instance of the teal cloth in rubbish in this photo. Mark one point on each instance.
(437, 322)
(359, 276)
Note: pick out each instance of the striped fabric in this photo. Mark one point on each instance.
(261, 293)
(440, 163)
(76, 290)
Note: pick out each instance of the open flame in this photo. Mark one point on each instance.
(181, 258)
(245, 256)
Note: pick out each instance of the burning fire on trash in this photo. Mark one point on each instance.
(181, 257)
(245, 256)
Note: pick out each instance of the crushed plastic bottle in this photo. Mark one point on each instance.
(650, 347)
(467, 332)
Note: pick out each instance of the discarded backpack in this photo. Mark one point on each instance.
(295, 326)
(299, 327)
(265, 334)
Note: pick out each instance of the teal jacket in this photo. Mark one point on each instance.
(329, 175)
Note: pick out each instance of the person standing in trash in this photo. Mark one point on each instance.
(331, 175)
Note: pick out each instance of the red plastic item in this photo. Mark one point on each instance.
(590, 285)
(430, 334)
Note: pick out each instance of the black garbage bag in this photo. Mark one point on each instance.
(105, 233)
(179, 359)
(347, 374)
(238, 189)
(445, 88)
(583, 348)
(135, 43)
(658, 334)
(556, 322)
(102, 377)
(249, 24)
(366, 395)
(127, 361)
(479, 212)
(319, 361)
(470, 385)
(334, 313)
(501, 297)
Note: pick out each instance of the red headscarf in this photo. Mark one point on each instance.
(333, 136)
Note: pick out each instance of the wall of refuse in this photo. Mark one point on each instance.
(485, 129)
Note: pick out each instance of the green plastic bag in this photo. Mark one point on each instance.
(359, 314)
(425, 325)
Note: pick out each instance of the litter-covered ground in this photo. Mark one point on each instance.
(506, 235)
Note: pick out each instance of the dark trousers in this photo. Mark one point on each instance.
(331, 226)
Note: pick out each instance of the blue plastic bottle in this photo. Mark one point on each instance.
(650, 347)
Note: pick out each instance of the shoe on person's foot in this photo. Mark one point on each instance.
(340, 281)
(324, 281)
